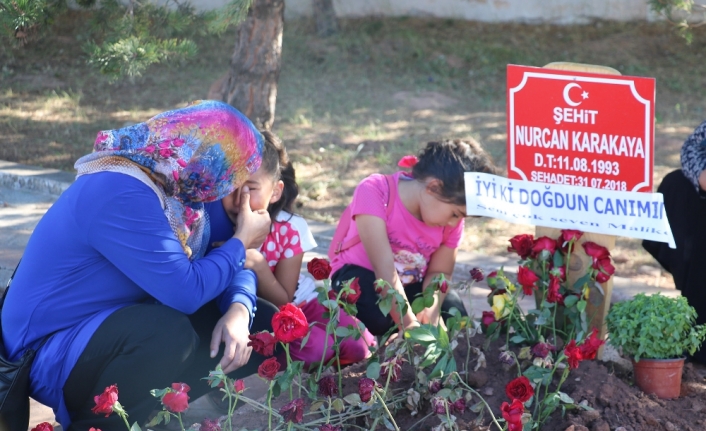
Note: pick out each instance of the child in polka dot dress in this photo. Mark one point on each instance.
(278, 261)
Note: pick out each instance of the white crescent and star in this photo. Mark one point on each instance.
(567, 98)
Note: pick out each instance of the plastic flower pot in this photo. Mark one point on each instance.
(661, 377)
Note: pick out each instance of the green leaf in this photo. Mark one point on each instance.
(428, 301)
(135, 427)
(373, 370)
(353, 399)
(304, 340)
(477, 407)
(342, 332)
(443, 337)
(570, 301)
(385, 305)
(517, 339)
(581, 306)
(420, 334)
(338, 405)
(418, 305)
(566, 399)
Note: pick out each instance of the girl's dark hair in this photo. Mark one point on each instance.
(276, 163)
(447, 161)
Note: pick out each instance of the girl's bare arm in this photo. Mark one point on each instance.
(277, 287)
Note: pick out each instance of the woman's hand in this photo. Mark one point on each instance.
(253, 226)
(232, 329)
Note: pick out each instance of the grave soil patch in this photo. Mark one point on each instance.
(617, 404)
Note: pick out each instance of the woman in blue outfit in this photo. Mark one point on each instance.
(115, 276)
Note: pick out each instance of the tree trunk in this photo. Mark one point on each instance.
(325, 17)
(251, 84)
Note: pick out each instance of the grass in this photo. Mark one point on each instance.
(355, 103)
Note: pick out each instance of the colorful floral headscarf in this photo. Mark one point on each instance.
(193, 155)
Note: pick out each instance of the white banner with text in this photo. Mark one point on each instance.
(628, 214)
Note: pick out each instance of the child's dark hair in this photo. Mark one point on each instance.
(447, 161)
(276, 162)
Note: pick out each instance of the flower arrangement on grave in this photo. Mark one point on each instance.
(542, 348)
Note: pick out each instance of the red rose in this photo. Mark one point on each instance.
(442, 285)
(519, 389)
(365, 389)
(407, 161)
(573, 354)
(293, 411)
(104, 402)
(176, 400)
(268, 369)
(541, 244)
(570, 234)
(263, 343)
(94, 429)
(352, 298)
(477, 275)
(393, 366)
(320, 269)
(239, 386)
(460, 405)
(328, 386)
(488, 318)
(210, 425)
(541, 350)
(329, 427)
(435, 386)
(522, 245)
(596, 251)
(44, 426)
(553, 294)
(605, 269)
(512, 413)
(527, 279)
(439, 405)
(289, 323)
(589, 347)
(332, 295)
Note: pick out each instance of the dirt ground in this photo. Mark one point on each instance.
(605, 387)
(354, 103)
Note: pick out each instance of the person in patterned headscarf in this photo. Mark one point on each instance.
(116, 265)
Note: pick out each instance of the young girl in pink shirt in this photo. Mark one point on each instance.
(278, 261)
(415, 240)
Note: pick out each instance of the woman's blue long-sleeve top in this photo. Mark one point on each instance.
(106, 244)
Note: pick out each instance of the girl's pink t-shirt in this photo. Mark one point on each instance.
(412, 241)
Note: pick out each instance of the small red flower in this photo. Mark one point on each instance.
(439, 405)
(596, 251)
(289, 323)
(512, 413)
(460, 405)
(553, 295)
(435, 386)
(329, 427)
(522, 245)
(352, 298)
(320, 269)
(541, 350)
(442, 285)
(589, 347)
(328, 386)
(477, 275)
(293, 411)
(268, 369)
(263, 343)
(106, 400)
(527, 279)
(239, 386)
(543, 243)
(520, 389)
(44, 426)
(569, 234)
(365, 389)
(407, 161)
(210, 425)
(488, 318)
(393, 368)
(332, 295)
(176, 400)
(94, 429)
(573, 354)
(605, 269)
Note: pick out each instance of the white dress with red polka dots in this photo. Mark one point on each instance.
(288, 237)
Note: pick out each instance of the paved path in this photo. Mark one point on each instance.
(26, 192)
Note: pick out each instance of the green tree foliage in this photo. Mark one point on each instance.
(123, 38)
(684, 14)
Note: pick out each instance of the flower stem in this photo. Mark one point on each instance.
(289, 363)
(384, 406)
(127, 424)
(181, 424)
(269, 405)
